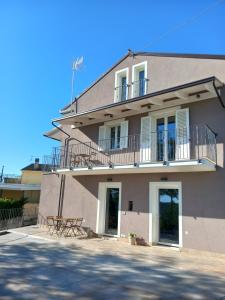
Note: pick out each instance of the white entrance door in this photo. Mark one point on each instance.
(109, 208)
(165, 213)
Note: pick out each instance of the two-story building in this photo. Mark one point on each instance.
(142, 150)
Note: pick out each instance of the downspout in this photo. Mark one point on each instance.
(63, 176)
(218, 94)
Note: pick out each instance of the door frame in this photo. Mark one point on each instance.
(154, 210)
(164, 114)
(101, 206)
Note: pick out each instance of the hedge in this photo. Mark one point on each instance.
(12, 203)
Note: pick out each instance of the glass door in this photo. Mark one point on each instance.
(166, 138)
(111, 213)
(171, 138)
(169, 216)
(160, 129)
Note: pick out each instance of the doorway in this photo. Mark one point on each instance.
(166, 138)
(111, 213)
(165, 215)
(168, 216)
(109, 208)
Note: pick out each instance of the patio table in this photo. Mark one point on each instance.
(64, 226)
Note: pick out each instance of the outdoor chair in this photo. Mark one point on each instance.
(72, 227)
(50, 224)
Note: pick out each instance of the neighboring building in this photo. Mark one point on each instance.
(27, 185)
(142, 150)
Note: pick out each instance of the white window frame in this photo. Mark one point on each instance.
(118, 75)
(165, 114)
(154, 210)
(114, 123)
(134, 70)
(101, 206)
(116, 136)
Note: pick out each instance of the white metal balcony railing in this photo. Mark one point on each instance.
(139, 88)
(121, 92)
(196, 143)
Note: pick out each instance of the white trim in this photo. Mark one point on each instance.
(153, 210)
(100, 221)
(145, 64)
(180, 166)
(118, 73)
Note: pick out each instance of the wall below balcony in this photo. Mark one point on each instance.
(203, 204)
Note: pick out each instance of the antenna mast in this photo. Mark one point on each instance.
(75, 67)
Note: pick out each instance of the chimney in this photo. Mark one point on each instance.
(36, 163)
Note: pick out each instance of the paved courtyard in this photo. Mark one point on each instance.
(41, 268)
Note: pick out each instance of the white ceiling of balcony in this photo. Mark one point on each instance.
(187, 93)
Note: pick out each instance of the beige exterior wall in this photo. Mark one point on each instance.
(203, 208)
(203, 192)
(31, 177)
(203, 205)
(162, 72)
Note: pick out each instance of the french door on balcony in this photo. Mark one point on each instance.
(165, 138)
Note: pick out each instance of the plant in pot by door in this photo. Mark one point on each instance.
(132, 238)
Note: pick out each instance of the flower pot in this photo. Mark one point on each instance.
(132, 240)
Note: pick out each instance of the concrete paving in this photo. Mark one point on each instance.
(35, 266)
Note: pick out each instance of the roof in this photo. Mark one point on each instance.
(51, 132)
(41, 167)
(189, 92)
(20, 187)
(159, 54)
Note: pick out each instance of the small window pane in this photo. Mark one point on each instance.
(113, 137)
(118, 136)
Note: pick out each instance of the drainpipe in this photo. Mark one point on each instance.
(63, 176)
(218, 94)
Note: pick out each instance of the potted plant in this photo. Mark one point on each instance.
(132, 238)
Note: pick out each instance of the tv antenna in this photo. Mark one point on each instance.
(75, 67)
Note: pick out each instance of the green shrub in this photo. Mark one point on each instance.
(12, 203)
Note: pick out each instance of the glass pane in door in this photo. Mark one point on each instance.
(160, 138)
(112, 207)
(169, 216)
(123, 88)
(141, 83)
(171, 138)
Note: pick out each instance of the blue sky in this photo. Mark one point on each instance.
(39, 39)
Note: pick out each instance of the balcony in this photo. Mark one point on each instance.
(182, 151)
(121, 93)
(139, 87)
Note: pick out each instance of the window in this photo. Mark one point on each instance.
(165, 135)
(115, 137)
(121, 85)
(139, 79)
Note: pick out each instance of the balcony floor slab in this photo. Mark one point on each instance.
(175, 167)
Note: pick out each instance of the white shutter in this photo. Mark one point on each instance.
(145, 139)
(182, 134)
(101, 138)
(107, 142)
(153, 139)
(124, 134)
